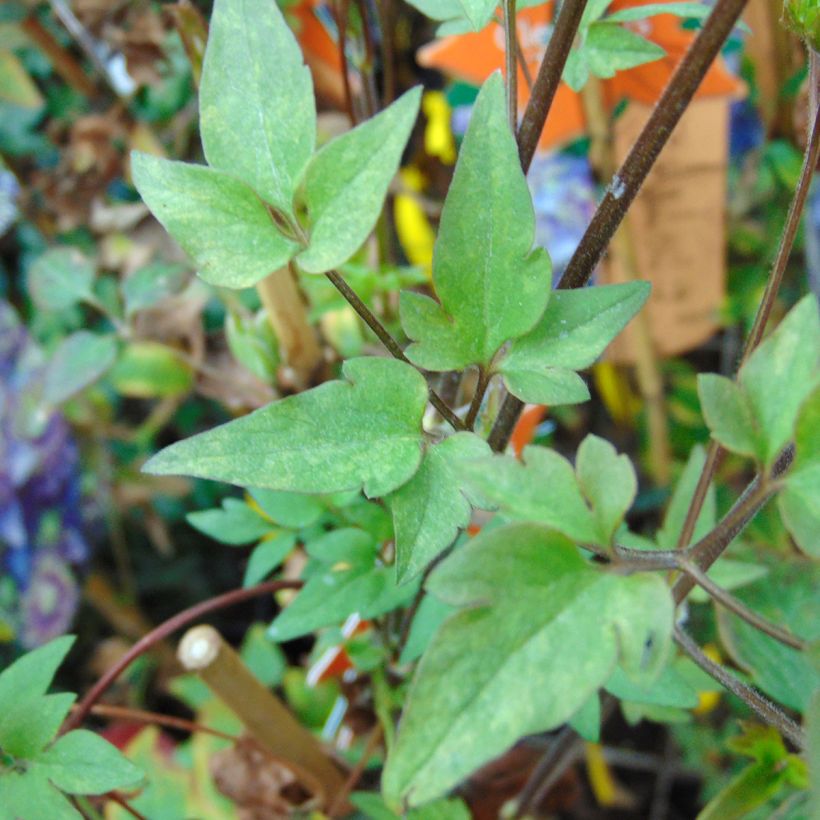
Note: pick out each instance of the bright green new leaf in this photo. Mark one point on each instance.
(79, 360)
(82, 762)
(478, 12)
(669, 533)
(234, 523)
(150, 285)
(798, 501)
(429, 510)
(542, 488)
(33, 672)
(439, 9)
(267, 556)
(537, 618)
(29, 794)
(253, 343)
(363, 432)
(219, 221)
(609, 48)
(780, 374)
(346, 182)
(289, 509)
(491, 284)
(608, 482)
(257, 115)
(575, 329)
(728, 413)
(60, 278)
(146, 370)
(34, 721)
(350, 581)
(265, 659)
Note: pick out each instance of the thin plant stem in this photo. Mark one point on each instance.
(632, 173)
(373, 741)
(762, 707)
(727, 600)
(341, 10)
(766, 304)
(522, 62)
(511, 64)
(389, 342)
(478, 396)
(117, 798)
(384, 10)
(104, 710)
(163, 631)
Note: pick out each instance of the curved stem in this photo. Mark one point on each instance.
(163, 631)
(762, 707)
(511, 64)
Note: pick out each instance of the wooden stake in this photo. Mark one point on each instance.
(203, 651)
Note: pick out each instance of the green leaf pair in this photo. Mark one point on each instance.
(534, 616)
(37, 771)
(266, 197)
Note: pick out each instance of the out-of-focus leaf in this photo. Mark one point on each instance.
(78, 361)
(148, 370)
(60, 278)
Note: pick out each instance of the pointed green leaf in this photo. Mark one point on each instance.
(609, 48)
(575, 329)
(478, 12)
(347, 180)
(148, 369)
(587, 720)
(439, 9)
(288, 509)
(491, 284)
(669, 533)
(727, 413)
(79, 360)
(256, 109)
(219, 221)
(150, 285)
(429, 510)
(363, 432)
(59, 278)
(33, 672)
(234, 523)
(268, 556)
(669, 689)
(542, 488)
(31, 795)
(538, 618)
(608, 482)
(780, 374)
(34, 721)
(698, 11)
(798, 501)
(82, 762)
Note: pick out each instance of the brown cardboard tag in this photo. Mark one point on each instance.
(677, 229)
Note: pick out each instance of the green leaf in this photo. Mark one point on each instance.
(727, 413)
(780, 374)
(587, 720)
(363, 432)
(478, 12)
(30, 795)
(82, 762)
(798, 500)
(266, 660)
(538, 618)
(682, 495)
(148, 286)
(256, 110)
(491, 284)
(33, 672)
(610, 48)
(267, 556)
(608, 482)
(218, 220)
(669, 689)
(729, 574)
(347, 180)
(374, 808)
(541, 489)
(289, 509)
(439, 9)
(575, 329)
(813, 751)
(235, 523)
(34, 721)
(79, 360)
(698, 11)
(61, 277)
(253, 344)
(16, 85)
(576, 70)
(429, 616)
(147, 370)
(351, 582)
(429, 510)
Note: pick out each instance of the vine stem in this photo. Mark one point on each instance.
(478, 396)
(714, 451)
(511, 63)
(372, 743)
(389, 342)
(762, 707)
(633, 172)
(163, 631)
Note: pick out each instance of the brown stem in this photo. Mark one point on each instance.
(762, 707)
(155, 719)
(389, 342)
(478, 396)
(117, 798)
(339, 802)
(341, 10)
(164, 630)
(61, 58)
(511, 64)
(767, 302)
(631, 175)
(384, 10)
